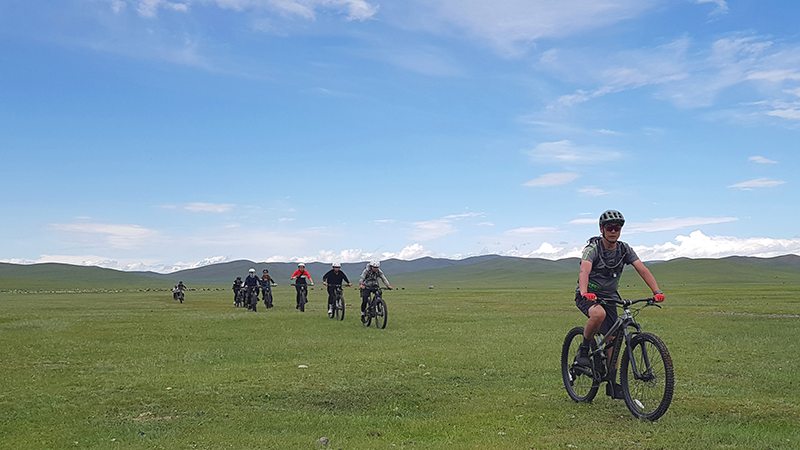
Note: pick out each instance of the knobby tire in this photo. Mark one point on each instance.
(579, 383)
(338, 306)
(380, 313)
(650, 397)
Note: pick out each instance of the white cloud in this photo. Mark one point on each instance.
(686, 76)
(435, 229)
(662, 224)
(565, 152)
(584, 221)
(722, 6)
(464, 216)
(209, 207)
(428, 61)
(788, 111)
(761, 160)
(356, 9)
(698, 245)
(511, 26)
(552, 179)
(432, 229)
(757, 183)
(594, 192)
(672, 223)
(149, 8)
(528, 231)
(113, 235)
(127, 265)
(408, 253)
(619, 72)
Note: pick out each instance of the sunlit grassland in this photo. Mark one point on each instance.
(469, 364)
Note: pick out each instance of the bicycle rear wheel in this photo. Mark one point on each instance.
(648, 389)
(579, 381)
(380, 313)
(338, 306)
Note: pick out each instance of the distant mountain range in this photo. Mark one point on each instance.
(470, 271)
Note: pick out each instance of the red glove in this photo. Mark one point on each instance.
(591, 297)
(658, 296)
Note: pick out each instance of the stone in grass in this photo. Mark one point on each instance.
(323, 441)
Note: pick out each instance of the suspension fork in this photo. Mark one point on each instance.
(637, 374)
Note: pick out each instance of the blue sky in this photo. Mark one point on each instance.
(154, 134)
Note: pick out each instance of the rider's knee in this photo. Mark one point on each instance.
(597, 312)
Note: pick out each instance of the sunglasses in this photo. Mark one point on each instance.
(613, 227)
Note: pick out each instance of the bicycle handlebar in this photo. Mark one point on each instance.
(651, 301)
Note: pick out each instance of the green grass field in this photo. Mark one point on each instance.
(457, 367)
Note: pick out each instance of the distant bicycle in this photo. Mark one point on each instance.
(646, 373)
(376, 309)
(266, 293)
(337, 309)
(303, 296)
(240, 298)
(251, 297)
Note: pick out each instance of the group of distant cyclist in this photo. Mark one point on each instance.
(246, 292)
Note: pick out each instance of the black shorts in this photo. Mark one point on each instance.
(611, 312)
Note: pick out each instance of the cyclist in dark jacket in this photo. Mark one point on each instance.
(332, 278)
(237, 286)
(251, 283)
(266, 288)
(601, 268)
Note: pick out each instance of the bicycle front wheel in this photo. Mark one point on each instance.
(579, 381)
(648, 380)
(338, 306)
(380, 313)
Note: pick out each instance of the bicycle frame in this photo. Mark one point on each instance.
(375, 294)
(620, 330)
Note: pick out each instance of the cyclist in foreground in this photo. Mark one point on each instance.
(368, 281)
(332, 278)
(602, 262)
(299, 277)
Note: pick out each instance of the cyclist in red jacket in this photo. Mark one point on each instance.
(299, 277)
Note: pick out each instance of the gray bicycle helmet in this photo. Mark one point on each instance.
(611, 216)
(375, 263)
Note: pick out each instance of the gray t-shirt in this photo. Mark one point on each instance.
(607, 266)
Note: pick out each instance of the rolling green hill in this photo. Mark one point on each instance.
(492, 270)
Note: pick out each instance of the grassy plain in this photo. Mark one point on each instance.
(471, 364)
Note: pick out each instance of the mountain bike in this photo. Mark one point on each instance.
(240, 298)
(251, 297)
(646, 372)
(337, 308)
(266, 293)
(303, 296)
(376, 309)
